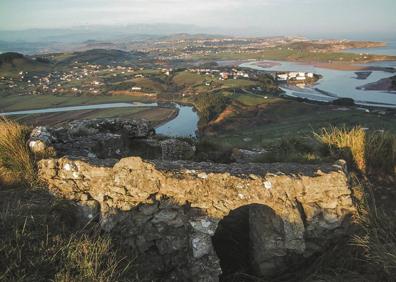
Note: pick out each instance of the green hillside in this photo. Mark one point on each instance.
(12, 63)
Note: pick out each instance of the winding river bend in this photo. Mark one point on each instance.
(185, 124)
(334, 84)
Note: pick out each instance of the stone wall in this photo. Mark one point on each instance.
(168, 211)
(107, 139)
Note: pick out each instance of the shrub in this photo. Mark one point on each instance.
(209, 106)
(293, 149)
(16, 161)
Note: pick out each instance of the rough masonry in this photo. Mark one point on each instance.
(169, 211)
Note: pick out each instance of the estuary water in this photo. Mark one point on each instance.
(334, 84)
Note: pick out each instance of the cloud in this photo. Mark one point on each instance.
(195, 12)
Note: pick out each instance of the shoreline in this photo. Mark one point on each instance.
(171, 117)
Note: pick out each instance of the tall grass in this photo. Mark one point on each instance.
(378, 238)
(348, 144)
(16, 161)
(369, 152)
(90, 258)
(40, 241)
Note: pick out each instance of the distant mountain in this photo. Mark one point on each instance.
(101, 33)
(189, 36)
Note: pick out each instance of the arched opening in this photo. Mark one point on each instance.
(232, 243)
(250, 243)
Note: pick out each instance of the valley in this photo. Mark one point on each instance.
(197, 141)
(226, 91)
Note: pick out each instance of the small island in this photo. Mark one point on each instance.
(386, 84)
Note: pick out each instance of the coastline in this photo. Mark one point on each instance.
(331, 66)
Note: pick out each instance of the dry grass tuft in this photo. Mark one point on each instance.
(370, 152)
(16, 161)
(349, 144)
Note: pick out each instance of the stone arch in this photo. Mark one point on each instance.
(231, 242)
(254, 240)
(311, 200)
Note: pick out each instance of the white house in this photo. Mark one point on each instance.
(282, 77)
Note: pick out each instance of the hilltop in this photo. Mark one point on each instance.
(12, 62)
(119, 203)
(111, 57)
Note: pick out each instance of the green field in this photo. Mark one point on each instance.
(30, 102)
(153, 114)
(188, 79)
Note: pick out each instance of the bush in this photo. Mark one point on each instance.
(209, 106)
(293, 149)
(16, 161)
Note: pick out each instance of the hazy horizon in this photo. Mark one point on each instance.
(314, 18)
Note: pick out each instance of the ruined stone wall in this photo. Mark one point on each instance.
(169, 210)
(107, 139)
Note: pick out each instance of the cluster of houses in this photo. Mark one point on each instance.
(59, 82)
(205, 71)
(222, 75)
(86, 78)
(234, 74)
(294, 76)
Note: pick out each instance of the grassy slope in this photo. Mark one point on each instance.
(188, 79)
(40, 241)
(268, 120)
(12, 63)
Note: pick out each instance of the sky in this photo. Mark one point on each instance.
(261, 17)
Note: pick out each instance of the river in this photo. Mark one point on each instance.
(185, 124)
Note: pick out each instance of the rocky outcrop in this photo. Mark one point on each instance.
(168, 211)
(173, 150)
(248, 156)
